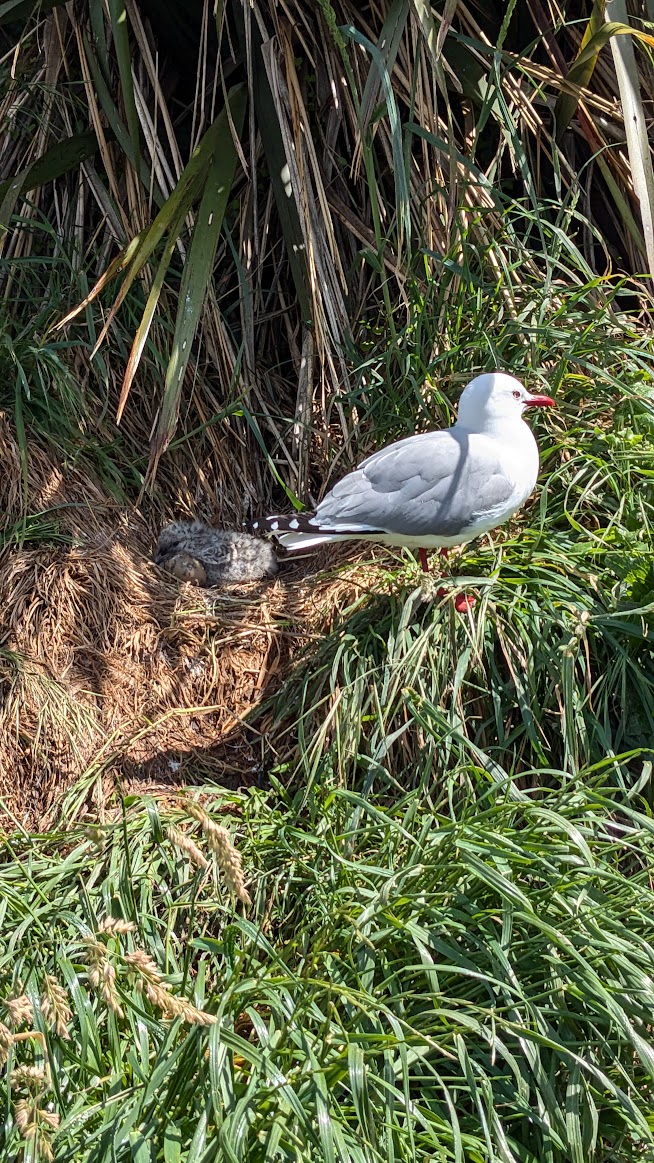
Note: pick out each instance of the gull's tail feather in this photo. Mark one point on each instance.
(301, 531)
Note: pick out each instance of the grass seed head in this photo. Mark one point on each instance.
(102, 975)
(6, 1042)
(116, 926)
(228, 857)
(144, 966)
(36, 1126)
(19, 1010)
(32, 1078)
(159, 993)
(55, 1007)
(182, 840)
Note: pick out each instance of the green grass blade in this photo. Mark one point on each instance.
(120, 32)
(60, 159)
(199, 265)
(143, 330)
(583, 67)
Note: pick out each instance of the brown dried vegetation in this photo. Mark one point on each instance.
(112, 670)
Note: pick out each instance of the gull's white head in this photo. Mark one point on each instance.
(494, 400)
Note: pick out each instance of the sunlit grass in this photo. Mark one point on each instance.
(448, 953)
(456, 974)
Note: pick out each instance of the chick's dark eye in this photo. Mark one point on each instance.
(517, 395)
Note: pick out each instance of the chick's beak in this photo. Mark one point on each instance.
(539, 402)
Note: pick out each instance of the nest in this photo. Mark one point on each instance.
(111, 671)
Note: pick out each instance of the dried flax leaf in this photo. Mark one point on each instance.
(161, 107)
(143, 329)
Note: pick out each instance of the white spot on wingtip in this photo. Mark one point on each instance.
(285, 175)
(274, 524)
(293, 524)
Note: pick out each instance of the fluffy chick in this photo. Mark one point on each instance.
(221, 555)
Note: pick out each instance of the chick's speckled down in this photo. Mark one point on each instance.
(195, 552)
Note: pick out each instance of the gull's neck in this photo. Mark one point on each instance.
(505, 428)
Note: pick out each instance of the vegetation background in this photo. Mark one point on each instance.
(320, 870)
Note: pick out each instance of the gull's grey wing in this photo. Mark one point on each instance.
(438, 483)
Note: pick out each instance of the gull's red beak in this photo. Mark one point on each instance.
(539, 402)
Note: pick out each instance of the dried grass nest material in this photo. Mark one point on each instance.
(109, 666)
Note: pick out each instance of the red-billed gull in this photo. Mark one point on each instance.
(435, 490)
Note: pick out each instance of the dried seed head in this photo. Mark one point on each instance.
(96, 953)
(182, 840)
(159, 993)
(36, 1126)
(19, 1010)
(229, 860)
(102, 975)
(109, 991)
(144, 965)
(32, 1078)
(116, 925)
(6, 1042)
(55, 1007)
(227, 855)
(196, 811)
(23, 1115)
(196, 1017)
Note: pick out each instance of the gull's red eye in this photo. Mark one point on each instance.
(517, 395)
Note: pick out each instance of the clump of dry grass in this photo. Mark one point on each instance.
(109, 669)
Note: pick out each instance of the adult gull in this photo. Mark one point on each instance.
(435, 490)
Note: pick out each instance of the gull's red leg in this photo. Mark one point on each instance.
(422, 554)
(462, 602)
